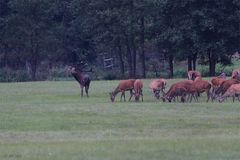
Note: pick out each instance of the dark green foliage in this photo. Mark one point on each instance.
(109, 76)
(70, 31)
(9, 75)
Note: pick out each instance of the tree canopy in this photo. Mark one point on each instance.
(70, 31)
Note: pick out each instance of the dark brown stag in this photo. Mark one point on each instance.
(82, 78)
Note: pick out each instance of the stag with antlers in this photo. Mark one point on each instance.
(82, 78)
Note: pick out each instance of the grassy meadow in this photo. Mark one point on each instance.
(50, 121)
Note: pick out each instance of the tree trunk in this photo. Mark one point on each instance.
(189, 63)
(142, 48)
(194, 60)
(4, 62)
(134, 55)
(170, 62)
(122, 69)
(33, 65)
(212, 64)
(130, 61)
(34, 50)
(132, 39)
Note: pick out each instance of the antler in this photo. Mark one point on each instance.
(90, 70)
(82, 65)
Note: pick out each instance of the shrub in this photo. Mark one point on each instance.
(203, 69)
(58, 73)
(180, 73)
(110, 76)
(10, 75)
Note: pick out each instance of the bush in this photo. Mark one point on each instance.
(203, 69)
(10, 75)
(226, 69)
(58, 73)
(180, 73)
(110, 76)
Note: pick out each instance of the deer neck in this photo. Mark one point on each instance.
(78, 76)
(116, 91)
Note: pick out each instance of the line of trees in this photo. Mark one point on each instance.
(67, 31)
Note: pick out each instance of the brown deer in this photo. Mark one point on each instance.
(178, 89)
(225, 85)
(157, 86)
(199, 86)
(216, 83)
(82, 78)
(232, 91)
(124, 85)
(138, 85)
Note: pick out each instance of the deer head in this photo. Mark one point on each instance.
(112, 96)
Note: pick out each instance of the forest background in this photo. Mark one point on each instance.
(39, 39)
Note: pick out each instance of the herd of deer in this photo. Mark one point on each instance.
(219, 88)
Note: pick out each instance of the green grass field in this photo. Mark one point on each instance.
(49, 121)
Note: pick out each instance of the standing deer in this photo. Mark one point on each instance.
(157, 86)
(82, 78)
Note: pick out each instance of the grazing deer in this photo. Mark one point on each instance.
(124, 85)
(157, 86)
(232, 91)
(225, 85)
(178, 89)
(82, 78)
(138, 85)
(199, 86)
(216, 83)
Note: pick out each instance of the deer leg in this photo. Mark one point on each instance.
(141, 95)
(131, 94)
(121, 96)
(176, 97)
(188, 98)
(212, 95)
(195, 96)
(191, 95)
(86, 90)
(156, 93)
(163, 90)
(81, 87)
(238, 98)
(124, 96)
(198, 95)
(208, 95)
